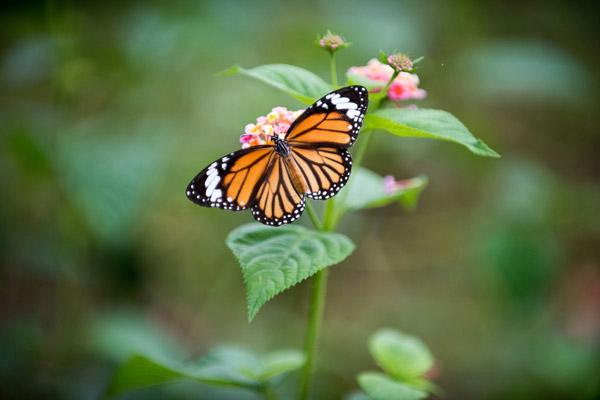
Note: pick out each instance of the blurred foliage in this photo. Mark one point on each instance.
(109, 109)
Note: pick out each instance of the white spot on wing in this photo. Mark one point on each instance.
(216, 194)
(337, 99)
(212, 181)
(353, 113)
(346, 106)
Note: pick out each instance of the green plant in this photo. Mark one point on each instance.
(275, 259)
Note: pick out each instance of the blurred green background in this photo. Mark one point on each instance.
(108, 109)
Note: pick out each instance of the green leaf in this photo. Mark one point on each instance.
(381, 387)
(274, 259)
(140, 372)
(247, 365)
(366, 189)
(300, 83)
(232, 364)
(281, 362)
(403, 357)
(436, 124)
(225, 366)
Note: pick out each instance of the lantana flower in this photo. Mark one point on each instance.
(331, 42)
(404, 87)
(391, 185)
(277, 122)
(400, 62)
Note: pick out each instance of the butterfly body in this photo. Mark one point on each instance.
(312, 160)
(282, 148)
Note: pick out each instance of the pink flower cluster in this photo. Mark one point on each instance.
(391, 185)
(331, 41)
(400, 62)
(277, 122)
(404, 87)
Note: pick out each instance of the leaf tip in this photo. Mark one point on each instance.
(234, 69)
(483, 149)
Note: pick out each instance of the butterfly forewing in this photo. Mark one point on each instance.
(334, 120)
(230, 182)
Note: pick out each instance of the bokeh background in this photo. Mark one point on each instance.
(108, 109)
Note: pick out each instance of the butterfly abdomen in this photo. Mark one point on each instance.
(296, 175)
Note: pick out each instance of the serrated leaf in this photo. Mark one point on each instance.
(300, 83)
(381, 387)
(140, 372)
(281, 362)
(366, 189)
(403, 357)
(436, 124)
(275, 259)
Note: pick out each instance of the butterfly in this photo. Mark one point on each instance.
(311, 160)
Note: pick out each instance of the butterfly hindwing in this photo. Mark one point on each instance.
(334, 120)
(325, 169)
(230, 182)
(277, 201)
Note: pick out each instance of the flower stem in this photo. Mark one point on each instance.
(314, 218)
(328, 216)
(268, 392)
(315, 320)
(315, 309)
(334, 81)
(381, 95)
(362, 149)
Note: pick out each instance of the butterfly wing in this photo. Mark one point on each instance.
(325, 169)
(258, 177)
(318, 140)
(333, 121)
(231, 182)
(277, 201)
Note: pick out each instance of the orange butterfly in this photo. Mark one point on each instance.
(272, 179)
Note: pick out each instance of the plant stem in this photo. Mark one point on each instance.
(334, 81)
(316, 304)
(268, 392)
(328, 219)
(362, 149)
(314, 218)
(381, 95)
(315, 315)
